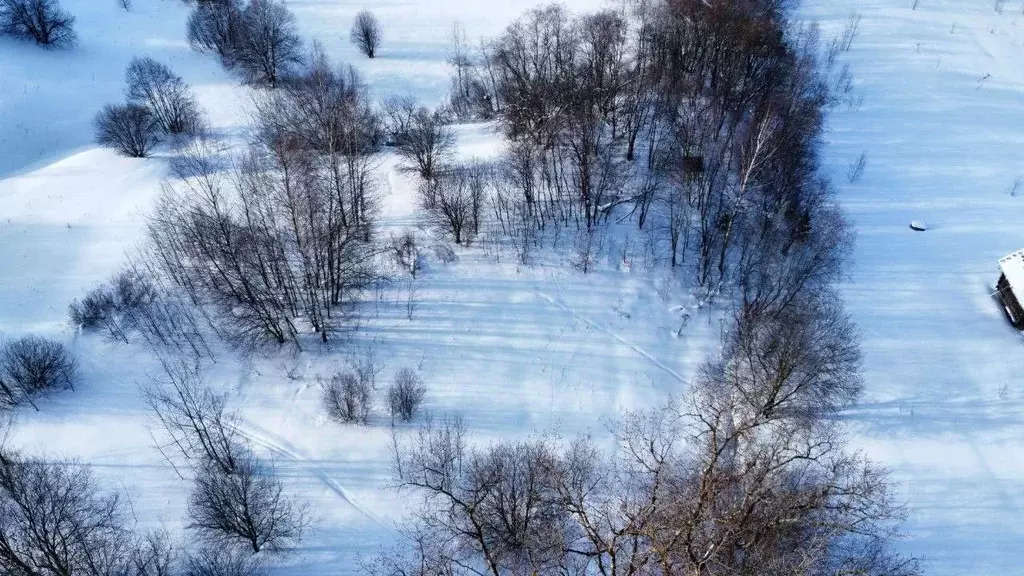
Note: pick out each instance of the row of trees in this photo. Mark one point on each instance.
(259, 38)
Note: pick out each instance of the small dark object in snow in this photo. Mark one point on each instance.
(918, 225)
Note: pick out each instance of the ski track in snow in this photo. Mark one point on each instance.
(568, 310)
(282, 447)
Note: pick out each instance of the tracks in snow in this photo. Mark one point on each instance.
(283, 448)
(567, 309)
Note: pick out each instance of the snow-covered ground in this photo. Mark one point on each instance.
(520, 350)
(942, 125)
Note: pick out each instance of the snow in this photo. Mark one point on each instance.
(941, 124)
(544, 349)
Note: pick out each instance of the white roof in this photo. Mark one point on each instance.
(1012, 266)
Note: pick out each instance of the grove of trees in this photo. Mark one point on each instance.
(695, 123)
(698, 122)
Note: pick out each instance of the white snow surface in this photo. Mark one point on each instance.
(525, 350)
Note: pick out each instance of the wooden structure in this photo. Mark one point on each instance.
(1010, 288)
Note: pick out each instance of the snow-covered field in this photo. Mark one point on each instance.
(545, 349)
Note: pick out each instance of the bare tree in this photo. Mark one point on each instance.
(131, 129)
(217, 26)
(54, 520)
(856, 169)
(532, 66)
(196, 421)
(42, 21)
(115, 305)
(268, 48)
(154, 555)
(152, 84)
(398, 113)
(495, 508)
(405, 394)
(428, 144)
(246, 507)
(470, 96)
(451, 202)
(31, 367)
(347, 397)
(365, 33)
(586, 250)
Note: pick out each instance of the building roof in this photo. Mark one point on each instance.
(1012, 266)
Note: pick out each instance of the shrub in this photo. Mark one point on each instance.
(406, 252)
(365, 33)
(398, 113)
(94, 310)
(33, 366)
(347, 398)
(154, 554)
(132, 129)
(152, 84)
(405, 395)
(115, 306)
(43, 21)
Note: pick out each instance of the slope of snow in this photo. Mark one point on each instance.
(515, 350)
(521, 350)
(942, 125)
